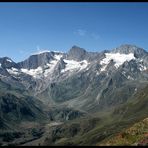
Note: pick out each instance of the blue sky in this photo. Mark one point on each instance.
(26, 28)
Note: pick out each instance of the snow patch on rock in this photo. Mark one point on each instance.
(8, 60)
(129, 77)
(13, 71)
(118, 58)
(46, 71)
(33, 72)
(142, 67)
(74, 65)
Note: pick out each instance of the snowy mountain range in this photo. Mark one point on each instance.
(43, 64)
(83, 71)
(104, 88)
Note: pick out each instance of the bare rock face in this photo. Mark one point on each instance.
(76, 53)
(37, 60)
(7, 62)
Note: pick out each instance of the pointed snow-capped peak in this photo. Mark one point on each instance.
(119, 56)
(127, 49)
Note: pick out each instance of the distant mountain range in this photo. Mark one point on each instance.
(57, 86)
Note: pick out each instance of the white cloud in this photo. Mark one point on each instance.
(80, 32)
(90, 34)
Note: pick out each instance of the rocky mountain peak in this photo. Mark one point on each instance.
(37, 60)
(128, 48)
(76, 53)
(6, 62)
(5, 59)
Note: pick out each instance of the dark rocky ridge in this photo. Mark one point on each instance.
(37, 60)
(5, 63)
(76, 53)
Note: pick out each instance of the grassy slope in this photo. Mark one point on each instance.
(133, 111)
(94, 130)
(101, 126)
(135, 135)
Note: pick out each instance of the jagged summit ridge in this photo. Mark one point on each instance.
(34, 61)
(6, 62)
(127, 48)
(75, 57)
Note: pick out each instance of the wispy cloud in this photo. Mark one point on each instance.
(95, 36)
(80, 32)
(85, 33)
(39, 50)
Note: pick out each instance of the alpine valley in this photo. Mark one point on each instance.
(75, 98)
